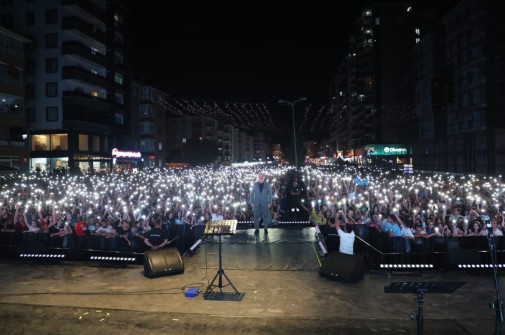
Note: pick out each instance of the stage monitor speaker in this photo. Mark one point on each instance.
(463, 256)
(162, 262)
(343, 267)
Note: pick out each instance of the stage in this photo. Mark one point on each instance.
(277, 274)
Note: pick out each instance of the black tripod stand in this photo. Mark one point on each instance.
(419, 316)
(498, 303)
(420, 288)
(216, 228)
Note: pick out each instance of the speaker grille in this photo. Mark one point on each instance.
(162, 262)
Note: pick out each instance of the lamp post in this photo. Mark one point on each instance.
(292, 104)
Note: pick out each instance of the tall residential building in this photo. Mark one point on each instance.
(495, 85)
(148, 125)
(246, 147)
(440, 91)
(368, 87)
(13, 150)
(225, 143)
(451, 97)
(76, 81)
(262, 148)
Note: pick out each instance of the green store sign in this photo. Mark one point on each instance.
(386, 150)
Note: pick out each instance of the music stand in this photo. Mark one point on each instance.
(219, 228)
(420, 288)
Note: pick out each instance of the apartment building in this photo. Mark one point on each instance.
(76, 81)
(13, 149)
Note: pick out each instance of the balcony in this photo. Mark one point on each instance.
(88, 7)
(80, 26)
(84, 107)
(81, 74)
(80, 50)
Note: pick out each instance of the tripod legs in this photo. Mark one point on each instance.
(219, 275)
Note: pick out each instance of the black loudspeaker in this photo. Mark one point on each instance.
(343, 267)
(463, 256)
(162, 262)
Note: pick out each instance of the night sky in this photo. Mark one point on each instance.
(245, 52)
(242, 51)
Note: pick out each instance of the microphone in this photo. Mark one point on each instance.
(489, 228)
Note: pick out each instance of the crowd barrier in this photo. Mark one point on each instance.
(375, 247)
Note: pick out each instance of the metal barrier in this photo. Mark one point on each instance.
(376, 248)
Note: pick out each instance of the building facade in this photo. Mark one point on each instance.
(76, 81)
(427, 80)
(13, 148)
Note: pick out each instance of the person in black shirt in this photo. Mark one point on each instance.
(297, 200)
(157, 237)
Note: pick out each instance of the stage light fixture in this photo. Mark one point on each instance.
(320, 241)
(194, 247)
(24, 255)
(406, 266)
(479, 266)
(121, 259)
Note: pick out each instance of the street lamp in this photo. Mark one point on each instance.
(292, 103)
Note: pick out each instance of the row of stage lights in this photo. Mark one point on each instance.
(91, 258)
(112, 259)
(406, 266)
(41, 255)
(430, 266)
(480, 266)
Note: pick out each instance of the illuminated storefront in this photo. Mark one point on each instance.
(126, 161)
(401, 153)
(60, 152)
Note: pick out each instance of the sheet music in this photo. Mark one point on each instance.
(221, 227)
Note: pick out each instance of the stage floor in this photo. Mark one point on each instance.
(277, 277)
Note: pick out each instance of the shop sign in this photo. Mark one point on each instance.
(129, 154)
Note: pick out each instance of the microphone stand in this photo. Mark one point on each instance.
(498, 303)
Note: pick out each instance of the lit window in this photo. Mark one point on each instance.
(59, 142)
(118, 78)
(83, 142)
(40, 142)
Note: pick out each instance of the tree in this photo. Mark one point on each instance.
(199, 152)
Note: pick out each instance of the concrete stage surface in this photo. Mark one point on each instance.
(277, 277)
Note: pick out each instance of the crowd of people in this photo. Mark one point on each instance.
(158, 208)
